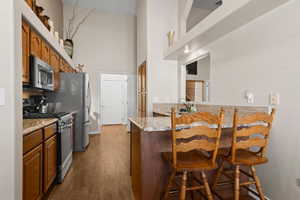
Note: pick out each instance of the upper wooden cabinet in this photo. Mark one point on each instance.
(50, 162)
(54, 60)
(63, 65)
(25, 52)
(45, 52)
(30, 3)
(32, 174)
(35, 44)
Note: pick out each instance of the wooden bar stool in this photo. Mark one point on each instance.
(194, 149)
(249, 143)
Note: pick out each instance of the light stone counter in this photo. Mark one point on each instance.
(31, 125)
(152, 124)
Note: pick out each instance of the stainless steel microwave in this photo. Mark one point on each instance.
(41, 74)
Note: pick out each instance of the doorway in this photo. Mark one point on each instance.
(113, 99)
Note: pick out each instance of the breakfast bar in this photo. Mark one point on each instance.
(152, 135)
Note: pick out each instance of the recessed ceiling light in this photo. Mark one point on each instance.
(186, 49)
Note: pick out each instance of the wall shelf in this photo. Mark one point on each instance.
(36, 23)
(227, 18)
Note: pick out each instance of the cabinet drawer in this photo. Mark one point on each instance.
(50, 131)
(32, 140)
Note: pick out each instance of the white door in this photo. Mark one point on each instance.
(113, 99)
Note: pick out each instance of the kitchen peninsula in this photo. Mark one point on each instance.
(152, 135)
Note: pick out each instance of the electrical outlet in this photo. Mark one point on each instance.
(249, 96)
(274, 99)
(298, 182)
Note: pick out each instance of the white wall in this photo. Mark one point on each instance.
(141, 31)
(54, 9)
(11, 112)
(106, 43)
(161, 74)
(263, 56)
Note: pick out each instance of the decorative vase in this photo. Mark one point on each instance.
(171, 37)
(69, 47)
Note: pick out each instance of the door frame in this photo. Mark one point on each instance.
(112, 77)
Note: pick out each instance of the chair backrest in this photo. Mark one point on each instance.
(205, 135)
(251, 130)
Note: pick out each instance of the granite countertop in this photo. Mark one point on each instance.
(30, 125)
(152, 124)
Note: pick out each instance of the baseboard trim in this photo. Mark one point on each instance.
(254, 196)
(94, 133)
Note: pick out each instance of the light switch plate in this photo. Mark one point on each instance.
(2, 97)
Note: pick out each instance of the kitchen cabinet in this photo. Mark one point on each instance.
(62, 65)
(25, 52)
(54, 60)
(190, 90)
(32, 174)
(30, 3)
(35, 44)
(50, 162)
(195, 90)
(55, 63)
(39, 162)
(45, 52)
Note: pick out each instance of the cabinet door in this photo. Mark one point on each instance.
(45, 52)
(55, 63)
(30, 3)
(25, 51)
(50, 162)
(35, 44)
(54, 60)
(62, 65)
(32, 174)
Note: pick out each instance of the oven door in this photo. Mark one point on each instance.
(65, 143)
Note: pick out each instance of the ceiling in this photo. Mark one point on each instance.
(114, 6)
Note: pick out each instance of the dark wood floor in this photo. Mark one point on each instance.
(102, 172)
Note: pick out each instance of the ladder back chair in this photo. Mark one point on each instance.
(194, 149)
(250, 140)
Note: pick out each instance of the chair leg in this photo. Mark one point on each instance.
(183, 186)
(169, 185)
(237, 183)
(218, 175)
(207, 188)
(257, 183)
(191, 179)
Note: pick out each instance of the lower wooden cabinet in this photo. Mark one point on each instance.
(50, 162)
(39, 162)
(32, 174)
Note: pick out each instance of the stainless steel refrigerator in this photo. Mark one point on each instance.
(74, 96)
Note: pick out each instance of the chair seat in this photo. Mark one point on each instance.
(190, 161)
(245, 157)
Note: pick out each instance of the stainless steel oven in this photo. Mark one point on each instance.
(65, 145)
(41, 74)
